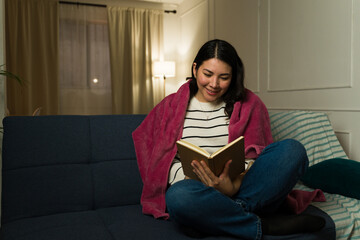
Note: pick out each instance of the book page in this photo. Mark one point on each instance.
(194, 148)
(187, 155)
(226, 147)
(233, 151)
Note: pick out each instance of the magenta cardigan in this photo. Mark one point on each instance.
(155, 139)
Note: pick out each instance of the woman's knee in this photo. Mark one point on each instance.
(296, 153)
(180, 196)
(293, 144)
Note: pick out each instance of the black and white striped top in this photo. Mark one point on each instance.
(205, 125)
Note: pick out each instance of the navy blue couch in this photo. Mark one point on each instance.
(76, 178)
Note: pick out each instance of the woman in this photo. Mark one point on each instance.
(210, 110)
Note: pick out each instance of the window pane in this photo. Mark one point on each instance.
(85, 83)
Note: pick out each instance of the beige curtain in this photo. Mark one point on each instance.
(136, 40)
(85, 84)
(31, 30)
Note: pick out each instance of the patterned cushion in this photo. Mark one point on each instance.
(312, 129)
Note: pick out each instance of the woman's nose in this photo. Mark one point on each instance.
(214, 82)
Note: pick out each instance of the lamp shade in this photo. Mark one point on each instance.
(164, 68)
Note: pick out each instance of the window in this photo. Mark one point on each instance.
(85, 83)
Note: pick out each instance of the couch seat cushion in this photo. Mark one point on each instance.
(70, 226)
(119, 223)
(128, 222)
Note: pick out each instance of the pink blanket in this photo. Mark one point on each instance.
(298, 200)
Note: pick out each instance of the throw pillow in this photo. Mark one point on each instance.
(339, 176)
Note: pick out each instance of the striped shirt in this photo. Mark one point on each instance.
(205, 125)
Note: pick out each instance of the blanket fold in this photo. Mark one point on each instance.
(298, 200)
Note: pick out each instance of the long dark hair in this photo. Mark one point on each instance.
(225, 52)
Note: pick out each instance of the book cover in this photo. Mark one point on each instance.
(216, 161)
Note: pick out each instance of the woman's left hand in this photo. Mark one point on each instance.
(223, 183)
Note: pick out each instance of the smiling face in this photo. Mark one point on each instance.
(213, 79)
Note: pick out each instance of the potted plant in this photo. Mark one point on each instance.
(8, 75)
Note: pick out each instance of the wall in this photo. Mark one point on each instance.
(171, 37)
(190, 29)
(2, 57)
(237, 22)
(321, 75)
(299, 55)
(2, 84)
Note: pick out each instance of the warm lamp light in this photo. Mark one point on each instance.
(164, 69)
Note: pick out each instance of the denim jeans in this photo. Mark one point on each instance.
(265, 186)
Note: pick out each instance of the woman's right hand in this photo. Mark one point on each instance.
(223, 183)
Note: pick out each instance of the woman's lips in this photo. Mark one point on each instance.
(212, 92)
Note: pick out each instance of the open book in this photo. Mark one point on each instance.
(216, 161)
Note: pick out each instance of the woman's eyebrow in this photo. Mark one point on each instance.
(209, 71)
(227, 74)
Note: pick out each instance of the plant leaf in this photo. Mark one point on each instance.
(10, 75)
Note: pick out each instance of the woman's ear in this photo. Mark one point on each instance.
(194, 69)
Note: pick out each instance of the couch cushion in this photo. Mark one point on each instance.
(54, 164)
(116, 176)
(45, 140)
(116, 183)
(312, 129)
(338, 176)
(70, 226)
(31, 192)
(45, 168)
(111, 137)
(128, 222)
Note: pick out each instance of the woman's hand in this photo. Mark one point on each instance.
(222, 183)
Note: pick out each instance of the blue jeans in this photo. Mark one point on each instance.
(265, 186)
